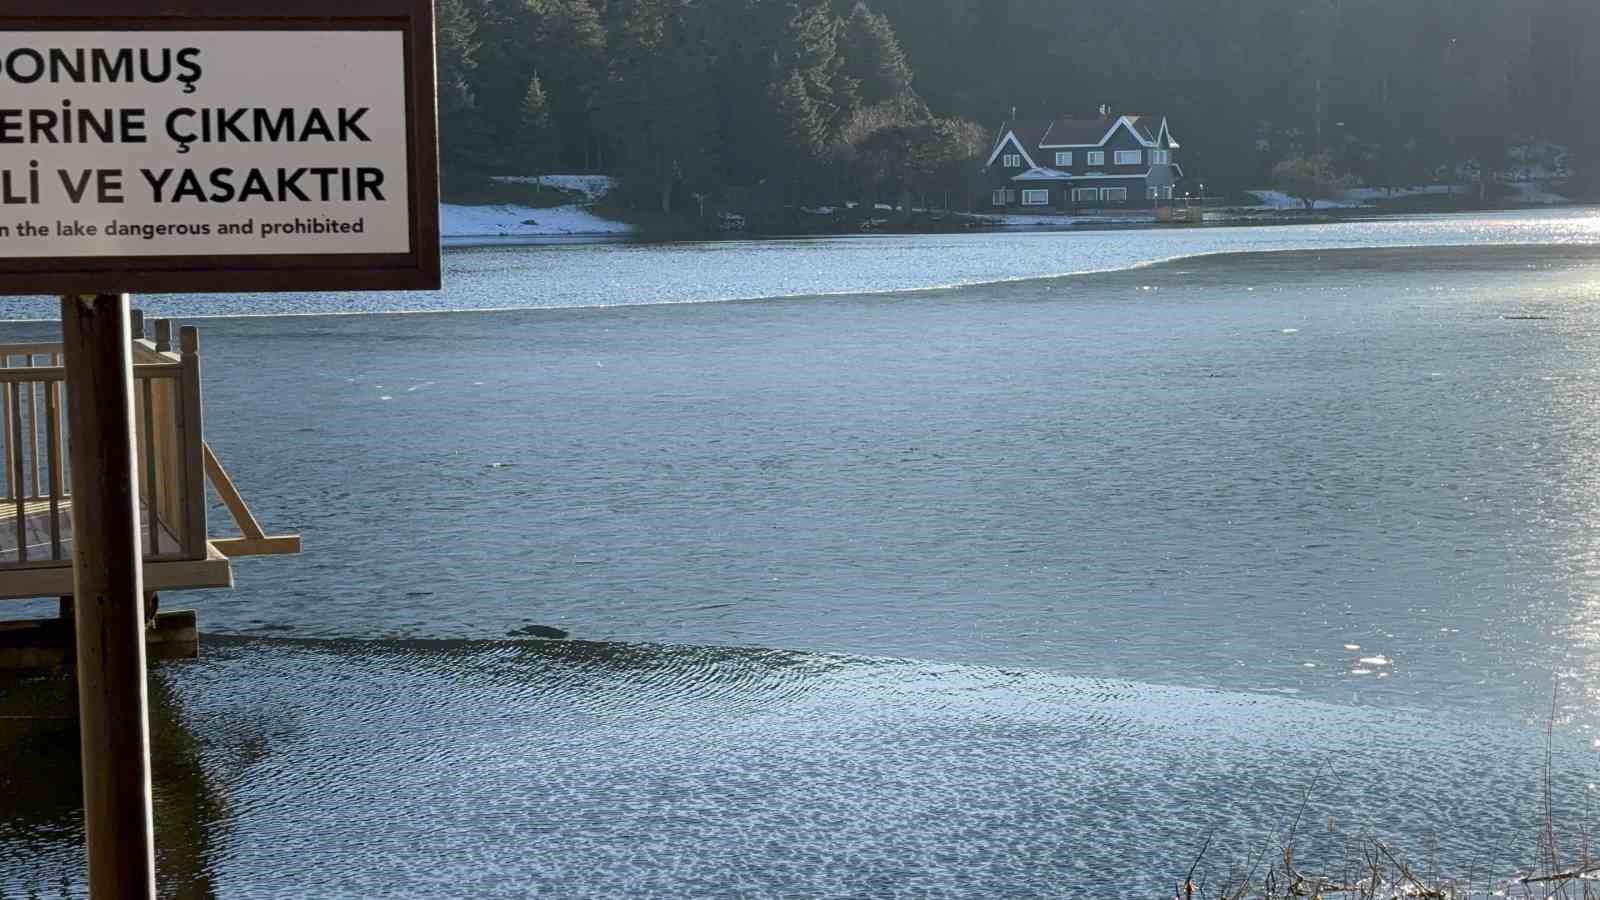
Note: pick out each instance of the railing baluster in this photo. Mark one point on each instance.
(150, 469)
(63, 487)
(52, 425)
(5, 401)
(33, 432)
(15, 396)
(191, 414)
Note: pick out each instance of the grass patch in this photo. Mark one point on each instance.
(1364, 867)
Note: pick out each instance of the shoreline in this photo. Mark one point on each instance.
(1284, 257)
(1220, 218)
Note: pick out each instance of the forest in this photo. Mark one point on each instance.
(690, 101)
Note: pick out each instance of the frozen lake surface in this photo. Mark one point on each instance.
(583, 273)
(1006, 590)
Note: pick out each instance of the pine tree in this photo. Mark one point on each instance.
(460, 138)
(796, 123)
(571, 48)
(874, 61)
(541, 142)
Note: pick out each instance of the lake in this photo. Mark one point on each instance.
(1005, 589)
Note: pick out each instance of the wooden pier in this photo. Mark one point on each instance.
(174, 466)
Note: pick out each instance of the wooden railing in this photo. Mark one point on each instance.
(172, 456)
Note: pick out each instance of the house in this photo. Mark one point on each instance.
(1068, 165)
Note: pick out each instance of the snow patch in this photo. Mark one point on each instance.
(1530, 192)
(592, 187)
(1534, 193)
(509, 220)
(1355, 198)
(1068, 220)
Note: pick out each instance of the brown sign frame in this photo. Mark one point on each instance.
(417, 270)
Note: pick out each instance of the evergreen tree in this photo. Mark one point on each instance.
(695, 95)
(874, 61)
(460, 139)
(571, 46)
(796, 122)
(541, 142)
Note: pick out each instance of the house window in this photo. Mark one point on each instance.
(1118, 196)
(1160, 157)
(1085, 195)
(1160, 192)
(1130, 157)
(1003, 196)
(1012, 161)
(1097, 157)
(1036, 198)
(1063, 157)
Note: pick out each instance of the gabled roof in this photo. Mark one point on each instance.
(1041, 173)
(1076, 133)
(1066, 134)
(1026, 136)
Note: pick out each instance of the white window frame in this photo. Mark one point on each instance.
(1160, 157)
(1096, 157)
(1063, 157)
(1129, 157)
(1036, 197)
(1117, 196)
(1000, 196)
(1085, 195)
(1011, 161)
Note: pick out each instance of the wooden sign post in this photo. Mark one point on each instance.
(108, 592)
(183, 146)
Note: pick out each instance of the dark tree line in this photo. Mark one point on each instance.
(832, 99)
(688, 99)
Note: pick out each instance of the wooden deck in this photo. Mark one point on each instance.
(174, 466)
(41, 548)
(45, 570)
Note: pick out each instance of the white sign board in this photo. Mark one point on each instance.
(162, 143)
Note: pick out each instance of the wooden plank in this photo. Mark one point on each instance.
(19, 490)
(169, 506)
(192, 411)
(5, 426)
(149, 486)
(53, 452)
(52, 423)
(179, 575)
(19, 349)
(108, 589)
(33, 433)
(39, 644)
(242, 517)
(56, 373)
(59, 434)
(38, 512)
(233, 548)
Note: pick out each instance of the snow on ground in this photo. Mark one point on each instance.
(592, 187)
(1531, 192)
(1280, 200)
(1130, 219)
(509, 220)
(1355, 198)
